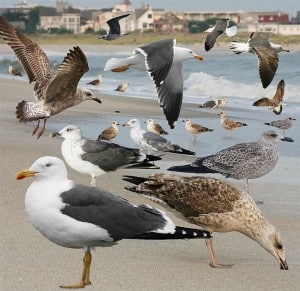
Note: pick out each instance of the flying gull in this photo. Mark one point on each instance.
(282, 124)
(110, 132)
(152, 143)
(195, 128)
(114, 28)
(77, 216)
(98, 157)
(274, 102)
(266, 52)
(214, 205)
(14, 71)
(122, 87)
(54, 91)
(221, 27)
(230, 124)
(241, 161)
(163, 62)
(155, 127)
(96, 82)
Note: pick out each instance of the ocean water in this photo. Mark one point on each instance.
(221, 74)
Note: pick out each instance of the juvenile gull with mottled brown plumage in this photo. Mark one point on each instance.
(53, 91)
(110, 132)
(214, 205)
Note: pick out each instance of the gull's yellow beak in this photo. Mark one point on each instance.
(198, 57)
(24, 174)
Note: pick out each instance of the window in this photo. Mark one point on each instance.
(149, 16)
(144, 24)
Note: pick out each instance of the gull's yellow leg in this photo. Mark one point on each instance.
(213, 262)
(85, 278)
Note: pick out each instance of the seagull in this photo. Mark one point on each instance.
(163, 62)
(152, 143)
(221, 27)
(275, 102)
(109, 133)
(249, 160)
(282, 124)
(54, 91)
(155, 127)
(212, 104)
(14, 71)
(114, 28)
(97, 81)
(98, 157)
(73, 215)
(195, 128)
(214, 205)
(266, 52)
(122, 87)
(230, 124)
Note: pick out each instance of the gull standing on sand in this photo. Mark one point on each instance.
(114, 28)
(155, 127)
(53, 91)
(212, 104)
(214, 205)
(152, 143)
(282, 124)
(274, 102)
(195, 128)
(76, 216)
(266, 52)
(249, 160)
(221, 27)
(122, 87)
(230, 124)
(14, 71)
(98, 157)
(163, 62)
(110, 132)
(96, 82)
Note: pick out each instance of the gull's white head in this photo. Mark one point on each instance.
(272, 136)
(45, 168)
(181, 54)
(68, 132)
(87, 94)
(133, 123)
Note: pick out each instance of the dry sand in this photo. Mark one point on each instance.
(31, 262)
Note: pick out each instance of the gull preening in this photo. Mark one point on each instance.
(230, 124)
(282, 123)
(53, 91)
(275, 102)
(221, 27)
(266, 52)
(152, 143)
(122, 87)
(155, 127)
(110, 132)
(214, 205)
(96, 82)
(249, 160)
(195, 128)
(114, 28)
(163, 62)
(76, 216)
(95, 158)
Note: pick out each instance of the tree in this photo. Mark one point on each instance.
(33, 20)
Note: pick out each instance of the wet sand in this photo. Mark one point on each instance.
(31, 262)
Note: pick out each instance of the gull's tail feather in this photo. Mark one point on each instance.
(180, 233)
(179, 150)
(30, 111)
(134, 179)
(231, 31)
(238, 47)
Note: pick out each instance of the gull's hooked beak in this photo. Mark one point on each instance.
(198, 57)
(288, 139)
(96, 99)
(125, 124)
(53, 134)
(25, 174)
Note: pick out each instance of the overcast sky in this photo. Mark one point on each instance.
(290, 6)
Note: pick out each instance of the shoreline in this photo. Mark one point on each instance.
(31, 262)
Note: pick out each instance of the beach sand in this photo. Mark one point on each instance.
(31, 262)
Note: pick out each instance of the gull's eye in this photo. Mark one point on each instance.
(88, 94)
(48, 165)
(273, 134)
(69, 129)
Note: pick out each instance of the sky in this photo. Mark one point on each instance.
(289, 6)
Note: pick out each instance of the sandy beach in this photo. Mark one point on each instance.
(31, 262)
